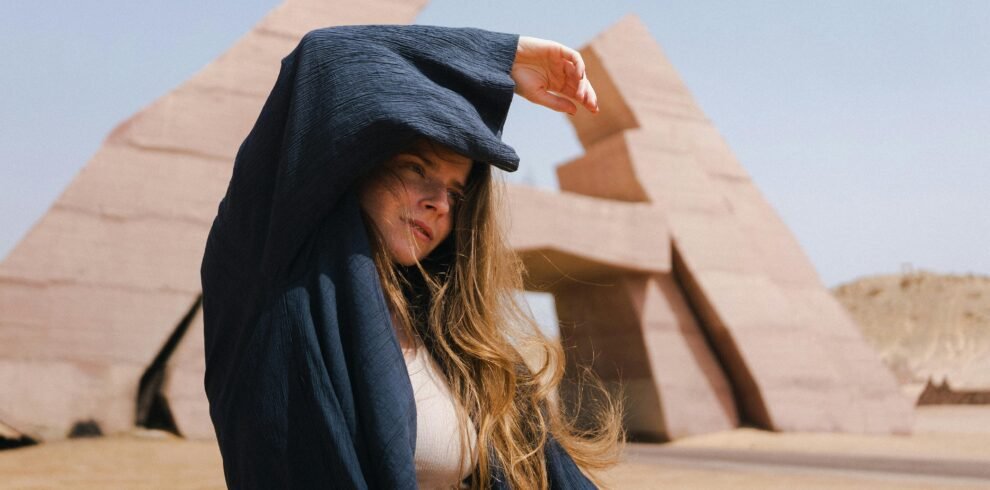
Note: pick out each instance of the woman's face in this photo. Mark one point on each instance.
(413, 199)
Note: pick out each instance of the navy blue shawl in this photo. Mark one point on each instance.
(305, 378)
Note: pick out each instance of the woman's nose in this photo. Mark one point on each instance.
(436, 197)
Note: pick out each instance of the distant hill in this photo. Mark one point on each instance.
(926, 325)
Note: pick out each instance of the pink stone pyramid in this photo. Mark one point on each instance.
(93, 292)
(794, 358)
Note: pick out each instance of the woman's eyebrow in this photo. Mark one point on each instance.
(433, 165)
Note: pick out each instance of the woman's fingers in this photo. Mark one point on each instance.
(574, 70)
(555, 102)
(588, 96)
(580, 89)
(553, 75)
(575, 58)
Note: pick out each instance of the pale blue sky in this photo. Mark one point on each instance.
(865, 124)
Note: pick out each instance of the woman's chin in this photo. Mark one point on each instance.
(406, 255)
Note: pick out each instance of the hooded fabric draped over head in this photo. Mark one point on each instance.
(305, 378)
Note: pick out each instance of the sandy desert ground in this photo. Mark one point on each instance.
(949, 449)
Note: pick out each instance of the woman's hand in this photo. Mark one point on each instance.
(552, 75)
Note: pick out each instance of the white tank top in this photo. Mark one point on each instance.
(438, 444)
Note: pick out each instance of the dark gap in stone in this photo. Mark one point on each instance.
(14, 440)
(160, 415)
(11, 438)
(16, 443)
(153, 411)
(85, 428)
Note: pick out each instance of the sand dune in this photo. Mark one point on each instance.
(926, 325)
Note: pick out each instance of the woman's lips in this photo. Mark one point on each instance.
(420, 229)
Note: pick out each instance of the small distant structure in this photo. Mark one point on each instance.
(943, 394)
(673, 277)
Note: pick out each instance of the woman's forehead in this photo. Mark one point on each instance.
(438, 159)
(437, 153)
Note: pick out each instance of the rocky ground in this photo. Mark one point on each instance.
(949, 449)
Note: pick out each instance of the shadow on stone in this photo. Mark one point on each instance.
(153, 411)
(10, 438)
(16, 443)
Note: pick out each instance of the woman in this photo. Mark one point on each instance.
(356, 251)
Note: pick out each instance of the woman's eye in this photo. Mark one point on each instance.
(417, 168)
(455, 197)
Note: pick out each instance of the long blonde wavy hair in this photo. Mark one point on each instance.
(463, 302)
